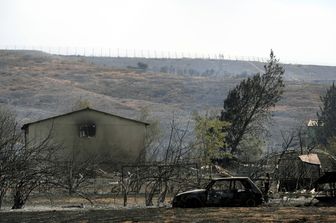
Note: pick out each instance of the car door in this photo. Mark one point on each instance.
(220, 194)
(241, 192)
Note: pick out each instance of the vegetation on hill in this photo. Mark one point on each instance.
(37, 85)
(327, 117)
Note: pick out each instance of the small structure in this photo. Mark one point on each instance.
(91, 133)
(312, 123)
(301, 171)
(298, 171)
(326, 188)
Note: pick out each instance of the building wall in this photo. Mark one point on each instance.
(116, 140)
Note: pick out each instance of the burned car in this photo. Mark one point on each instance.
(231, 191)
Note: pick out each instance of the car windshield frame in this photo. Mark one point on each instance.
(246, 182)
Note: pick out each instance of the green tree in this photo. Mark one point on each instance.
(326, 129)
(248, 105)
(251, 149)
(210, 137)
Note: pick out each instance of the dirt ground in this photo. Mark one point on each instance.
(259, 214)
(110, 209)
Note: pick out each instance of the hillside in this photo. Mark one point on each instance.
(38, 85)
(217, 68)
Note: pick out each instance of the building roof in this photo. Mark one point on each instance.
(312, 123)
(311, 158)
(85, 109)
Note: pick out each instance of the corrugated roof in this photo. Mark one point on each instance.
(312, 123)
(311, 159)
(85, 109)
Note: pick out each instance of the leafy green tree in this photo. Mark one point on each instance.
(210, 136)
(251, 149)
(330, 148)
(248, 105)
(326, 129)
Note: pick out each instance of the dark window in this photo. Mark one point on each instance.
(222, 185)
(87, 130)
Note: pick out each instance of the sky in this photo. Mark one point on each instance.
(299, 31)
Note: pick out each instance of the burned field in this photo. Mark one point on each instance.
(257, 214)
(109, 208)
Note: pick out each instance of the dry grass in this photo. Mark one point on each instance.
(108, 208)
(260, 214)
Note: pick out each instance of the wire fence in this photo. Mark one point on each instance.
(132, 53)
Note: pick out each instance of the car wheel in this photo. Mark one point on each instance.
(251, 203)
(193, 203)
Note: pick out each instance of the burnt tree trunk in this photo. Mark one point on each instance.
(19, 200)
(163, 193)
(2, 195)
(149, 196)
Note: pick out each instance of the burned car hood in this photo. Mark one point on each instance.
(196, 191)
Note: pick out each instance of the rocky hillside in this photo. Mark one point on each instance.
(38, 85)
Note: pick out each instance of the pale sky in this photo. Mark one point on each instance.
(303, 31)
